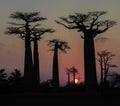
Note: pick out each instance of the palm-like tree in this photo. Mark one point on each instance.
(3, 75)
(3, 80)
(57, 45)
(15, 78)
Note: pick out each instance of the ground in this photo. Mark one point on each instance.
(61, 98)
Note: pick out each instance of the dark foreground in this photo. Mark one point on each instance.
(61, 98)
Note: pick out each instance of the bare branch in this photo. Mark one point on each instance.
(37, 19)
(106, 24)
(66, 20)
(12, 23)
(27, 17)
(88, 23)
(59, 44)
(14, 30)
(67, 26)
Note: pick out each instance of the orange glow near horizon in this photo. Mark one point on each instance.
(12, 47)
(76, 81)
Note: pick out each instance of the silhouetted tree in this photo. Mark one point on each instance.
(104, 58)
(115, 80)
(90, 25)
(24, 29)
(74, 71)
(68, 74)
(47, 84)
(3, 80)
(3, 74)
(37, 33)
(58, 45)
(15, 79)
(100, 60)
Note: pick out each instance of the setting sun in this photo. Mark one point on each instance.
(76, 81)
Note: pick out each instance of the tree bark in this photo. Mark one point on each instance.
(106, 73)
(36, 64)
(28, 65)
(73, 77)
(55, 69)
(89, 63)
(101, 80)
(68, 78)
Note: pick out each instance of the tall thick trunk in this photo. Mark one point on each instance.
(36, 64)
(105, 84)
(68, 78)
(73, 78)
(106, 73)
(89, 63)
(28, 65)
(101, 80)
(55, 69)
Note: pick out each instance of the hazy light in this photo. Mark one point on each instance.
(76, 81)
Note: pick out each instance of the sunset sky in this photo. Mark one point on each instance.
(12, 47)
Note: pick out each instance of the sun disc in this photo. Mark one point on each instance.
(76, 81)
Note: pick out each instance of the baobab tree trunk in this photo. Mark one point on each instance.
(105, 75)
(89, 63)
(73, 78)
(28, 65)
(101, 80)
(68, 78)
(36, 64)
(55, 69)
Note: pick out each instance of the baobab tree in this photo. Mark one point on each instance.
(57, 45)
(23, 29)
(74, 71)
(68, 72)
(90, 26)
(104, 59)
(37, 33)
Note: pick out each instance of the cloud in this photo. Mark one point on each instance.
(101, 39)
